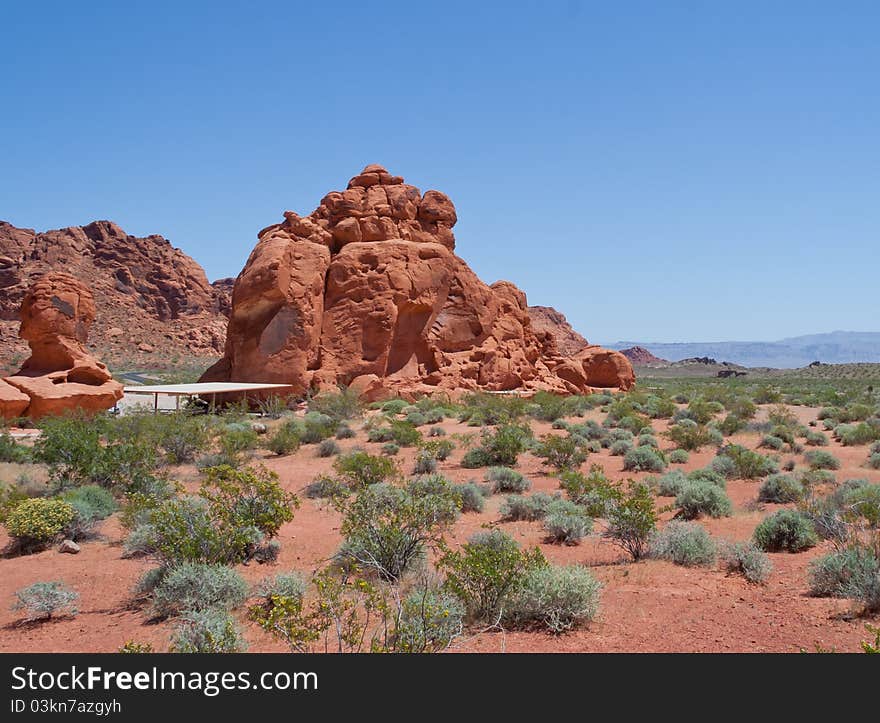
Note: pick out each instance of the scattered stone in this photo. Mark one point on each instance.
(69, 546)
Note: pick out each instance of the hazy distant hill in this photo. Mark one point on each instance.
(836, 347)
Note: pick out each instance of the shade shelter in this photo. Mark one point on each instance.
(208, 390)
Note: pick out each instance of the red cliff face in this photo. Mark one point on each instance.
(367, 291)
(148, 293)
(640, 356)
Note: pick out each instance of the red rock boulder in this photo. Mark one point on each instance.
(61, 375)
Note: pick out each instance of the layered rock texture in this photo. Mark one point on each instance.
(152, 299)
(367, 291)
(639, 356)
(60, 375)
(546, 319)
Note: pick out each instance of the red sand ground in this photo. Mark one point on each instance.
(648, 606)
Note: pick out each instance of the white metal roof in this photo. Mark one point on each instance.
(202, 388)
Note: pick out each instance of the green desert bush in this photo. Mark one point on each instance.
(425, 463)
(785, 531)
(488, 569)
(644, 459)
(700, 497)
(390, 449)
(359, 469)
(37, 522)
(817, 439)
(844, 573)
(743, 463)
(473, 497)
(684, 543)
(560, 452)
(42, 600)
(285, 440)
(326, 487)
(388, 528)
(554, 598)
(92, 504)
(343, 431)
(679, 456)
(743, 558)
(430, 619)
(593, 491)
(620, 448)
(523, 507)
(631, 517)
(874, 461)
(197, 586)
(207, 631)
(328, 448)
(820, 459)
(505, 480)
(338, 406)
(769, 441)
(670, 484)
(781, 489)
(566, 523)
(499, 448)
(11, 451)
(689, 436)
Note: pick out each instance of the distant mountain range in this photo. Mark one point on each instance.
(836, 347)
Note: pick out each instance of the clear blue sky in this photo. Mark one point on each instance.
(660, 171)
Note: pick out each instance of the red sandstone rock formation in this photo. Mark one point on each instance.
(640, 356)
(545, 319)
(60, 375)
(146, 291)
(366, 291)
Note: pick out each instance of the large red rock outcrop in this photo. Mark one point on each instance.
(60, 375)
(147, 292)
(546, 319)
(367, 291)
(639, 356)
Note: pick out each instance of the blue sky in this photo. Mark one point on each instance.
(660, 171)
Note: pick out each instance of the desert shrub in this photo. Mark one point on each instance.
(679, 456)
(659, 407)
(785, 530)
(197, 586)
(390, 449)
(789, 465)
(207, 631)
(631, 517)
(70, 447)
(284, 584)
(684, 543)
(328, 448)
(247, 498)
(691, 437)
(425, 463)
(499, 448)
(343, 431)
(315, 427)
(817, 439)
(644, 459)
(430, 619)
(36, 522)
(731, 424)
(386, 528)
(416, 418)
(11, 451)
(820, 459)
(874, 461)
(436, 432)
(781, 488)
(547, 407)
(620, 448)
(593, 491)
(42, 600)
(724, 466)
(92, 504)
(700, 497)
(133, 647)
(862, 502)
(238, 438)
(487, 570)
(566, 523)
(555, 598)
(560, 452)
(325, 487)
(845, 573)
(771, 442)
(186, 532)
(670, 484)
(743, 558)
(440, 449)
(380, 434)
(472, 497)
(647, 440)
(404, 433)
(862, 433)
(359, 469)
(744, 463)
(522, 507)
(394, 406)
(339, 406)
(504, 479)
(708, 475)
(140, 541)
(182, 436)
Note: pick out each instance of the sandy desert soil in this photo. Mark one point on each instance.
(647, 606)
